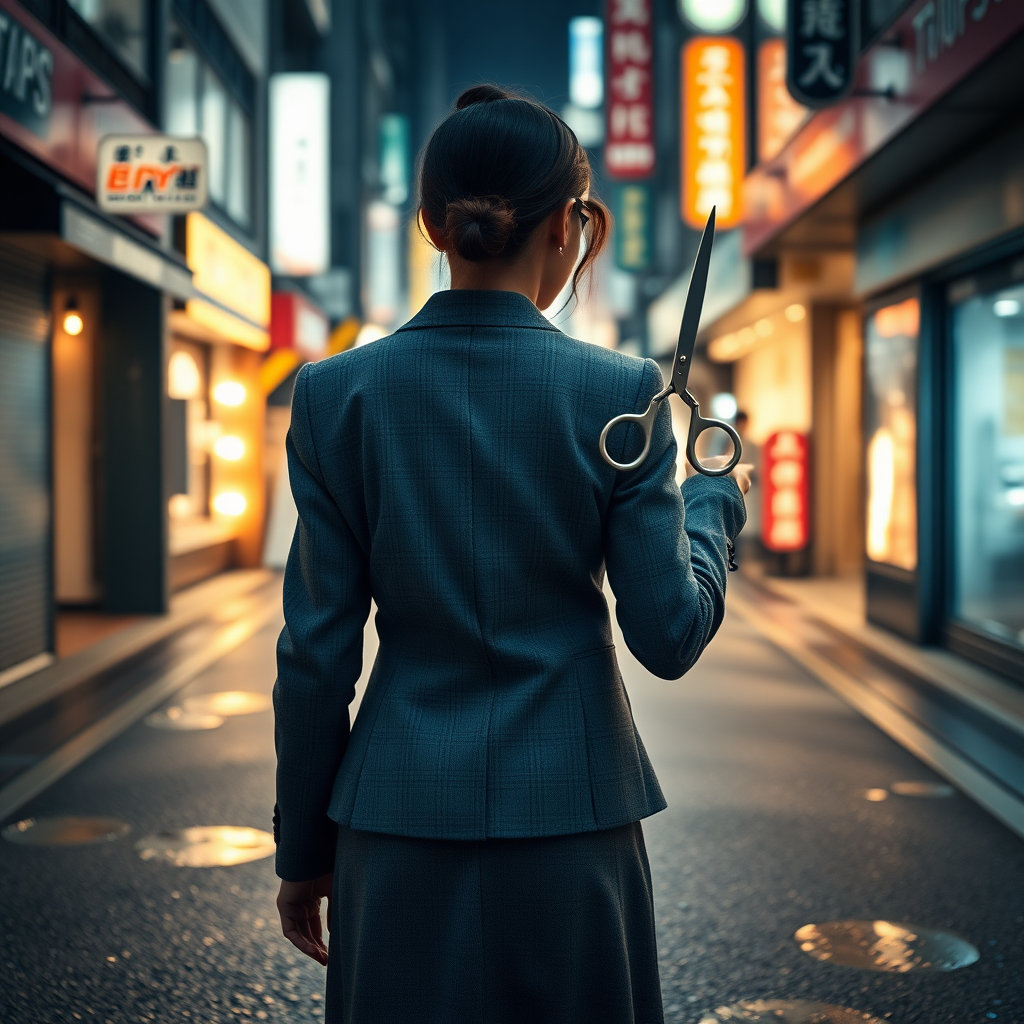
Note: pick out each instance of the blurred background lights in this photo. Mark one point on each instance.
(229, 447)
(229, 392)
(73, 323)
(713, 15)
(723, 405)
(370, 332)
(586, 80)
(795, 313)
(1006, 307)
(183, 380)
(1015, 497)
(229, 503)
(773, 14)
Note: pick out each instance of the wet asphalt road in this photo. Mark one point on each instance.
(767, 830)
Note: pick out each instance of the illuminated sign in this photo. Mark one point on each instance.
(633, 226)
(821, 44)
(713, 130)
(785, 515)
(394, 158)
(295, 323)
(586, 74)
(299, 174)
(629, 106)
(150, 174)
(230, 275)
(778, 114)
(713, 15)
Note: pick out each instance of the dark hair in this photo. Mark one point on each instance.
(496, 167)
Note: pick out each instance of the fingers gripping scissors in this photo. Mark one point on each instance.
(680, 372)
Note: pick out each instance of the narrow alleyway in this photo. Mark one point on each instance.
(768, 830)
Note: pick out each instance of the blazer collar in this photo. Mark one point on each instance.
(479, 309)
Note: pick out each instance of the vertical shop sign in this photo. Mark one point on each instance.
(394, 158)
(785, 517)
(633, 226)
(778, 114)
(821, 48)
(299, 174)
(629, 147)
(713, 130)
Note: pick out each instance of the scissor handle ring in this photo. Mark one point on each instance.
(697, 427)
(645, 420)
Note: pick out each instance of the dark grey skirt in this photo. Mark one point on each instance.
(550, 930)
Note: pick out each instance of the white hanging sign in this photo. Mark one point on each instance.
(150, 174)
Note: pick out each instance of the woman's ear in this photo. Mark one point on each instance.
(433, 234)
(561, 225)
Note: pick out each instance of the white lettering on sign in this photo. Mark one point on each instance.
(938, 26)
(26, 73)
(629, 147)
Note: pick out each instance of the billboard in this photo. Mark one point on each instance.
(300, 242)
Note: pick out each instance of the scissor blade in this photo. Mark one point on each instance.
(692, 309)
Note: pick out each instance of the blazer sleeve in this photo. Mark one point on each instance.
(319, 656)
(667, 557)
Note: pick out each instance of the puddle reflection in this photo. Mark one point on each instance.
(228, 702)
(179, 719)
(206, 846)
(787, 1011)
(885, 946)
(65, 831)
(925, 789)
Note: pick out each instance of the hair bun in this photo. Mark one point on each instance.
(479, 227)
(481, 94)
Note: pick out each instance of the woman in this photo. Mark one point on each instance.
(477, 833)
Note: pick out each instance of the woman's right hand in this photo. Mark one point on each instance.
(741, 474)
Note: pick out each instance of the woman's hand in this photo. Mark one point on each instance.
(298, 903)
(741, 474)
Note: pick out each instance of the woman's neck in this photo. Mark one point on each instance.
(521, 275)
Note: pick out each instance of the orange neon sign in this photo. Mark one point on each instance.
(778, 114)
(713, 130)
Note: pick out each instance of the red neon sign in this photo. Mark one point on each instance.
(629, 129)
(786, 509)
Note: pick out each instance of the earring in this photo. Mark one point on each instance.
(559, 249)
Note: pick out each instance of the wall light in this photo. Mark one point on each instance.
(763, 328)
(1006, 307)
(183, 378)
(229, 447)
(73, 322)
(229, 392)
(229, 503)
(795, 313)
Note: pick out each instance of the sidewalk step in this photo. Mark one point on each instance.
(977, 744)
(51, 737)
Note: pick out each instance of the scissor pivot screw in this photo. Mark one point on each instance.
(682, 359)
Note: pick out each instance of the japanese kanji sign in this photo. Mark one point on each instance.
(633, 225)
(713, 130)
(629, 138)
(150, 174)
(821, 49)
(785, 482)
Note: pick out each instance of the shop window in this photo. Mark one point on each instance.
(198, 103)
(988, 528)
(122, 24)
(891, 346)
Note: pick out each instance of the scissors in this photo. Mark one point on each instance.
(680, 372)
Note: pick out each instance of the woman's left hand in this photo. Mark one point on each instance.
(298, 903)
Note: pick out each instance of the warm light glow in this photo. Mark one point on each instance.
(229, 503)
(901, 320)
(229, 447)
(183, 379)
(763, 328)
(73, 323)
(881, 485)
(370, 332)
(795, 313)
(229, 392)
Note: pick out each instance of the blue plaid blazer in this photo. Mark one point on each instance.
(451, 473)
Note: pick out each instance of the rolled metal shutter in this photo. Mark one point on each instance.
(25, 503)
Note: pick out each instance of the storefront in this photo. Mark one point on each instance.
(81, 328)
(216, 420)
(896, 221)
